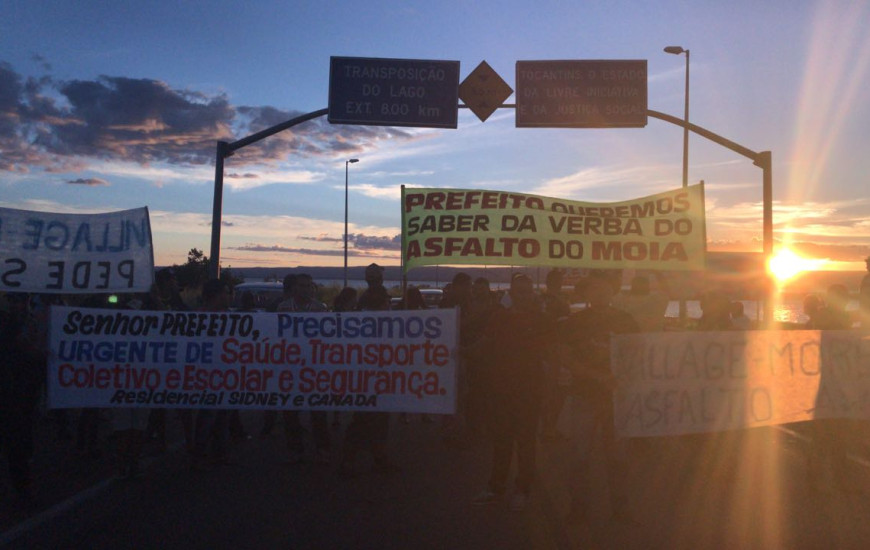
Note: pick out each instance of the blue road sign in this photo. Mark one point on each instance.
(393, 92)
(581, 94)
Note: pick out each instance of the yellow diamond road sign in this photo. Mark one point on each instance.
(483, 91)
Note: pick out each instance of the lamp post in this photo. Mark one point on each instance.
(349, 161)
(677, 50)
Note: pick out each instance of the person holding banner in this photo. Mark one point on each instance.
(209, 437)
(271, 416)
(555, 307)
(369, 429)
(303, 298)
(455, 429)
(481, 308)
(514, 342)
(590, 404)
(645, 304)
(345, 300)
(413, 300)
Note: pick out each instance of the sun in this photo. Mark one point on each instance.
(785, 265)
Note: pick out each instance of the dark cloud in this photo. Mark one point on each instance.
(46, 66)
(322, 239)
(315, 137)
(306, 251)
(362, 242)
(242, 176)
(140, 120)
(60, 125)
(89, 181)
(369, 242)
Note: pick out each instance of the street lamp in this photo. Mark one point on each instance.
(677, 50)
(349, 161)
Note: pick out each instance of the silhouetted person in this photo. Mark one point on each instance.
(369, 430)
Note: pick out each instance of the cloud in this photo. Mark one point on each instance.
(362, 241)
(59, 125)
(369, 242)
(813, 229)
(308, 251)
(643, 179)
(392, 192)
(322, 239)
(89, 181)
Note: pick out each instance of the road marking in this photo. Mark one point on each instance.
(56, 510)
(82, 496)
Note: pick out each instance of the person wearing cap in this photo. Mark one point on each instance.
(369, 429)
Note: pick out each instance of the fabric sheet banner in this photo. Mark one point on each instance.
(47, 252)
(683, 382)
(372, 361)
(460, 226)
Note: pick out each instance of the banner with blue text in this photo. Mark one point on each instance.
(400, 361)
(48, 252)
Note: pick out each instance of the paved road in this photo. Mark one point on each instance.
(746, 490)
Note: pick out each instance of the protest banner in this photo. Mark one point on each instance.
(47, 252)
(684, 382)
(460, 226)
(375, 361)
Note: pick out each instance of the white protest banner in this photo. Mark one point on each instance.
(682, 382)
(375, 361)
(48, 252)
(665, 231)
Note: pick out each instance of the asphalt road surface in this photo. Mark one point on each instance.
(736, 490)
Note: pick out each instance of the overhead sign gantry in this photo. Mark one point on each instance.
(581, 94)
(393, 92)
(426, 93)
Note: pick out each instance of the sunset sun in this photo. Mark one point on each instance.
(786, 265)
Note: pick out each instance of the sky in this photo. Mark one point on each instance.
(108, 106)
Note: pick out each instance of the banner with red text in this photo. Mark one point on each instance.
(684, 382)
(50, 252)
(379, 361)
(463, 226)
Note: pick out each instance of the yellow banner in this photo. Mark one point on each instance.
(463, 226)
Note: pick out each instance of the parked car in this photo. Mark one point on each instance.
(432, 297)
(264, 294)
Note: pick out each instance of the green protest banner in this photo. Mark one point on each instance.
(475, 227)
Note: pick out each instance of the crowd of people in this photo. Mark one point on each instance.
(527, 360)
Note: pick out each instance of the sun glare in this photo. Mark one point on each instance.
(785, 265)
